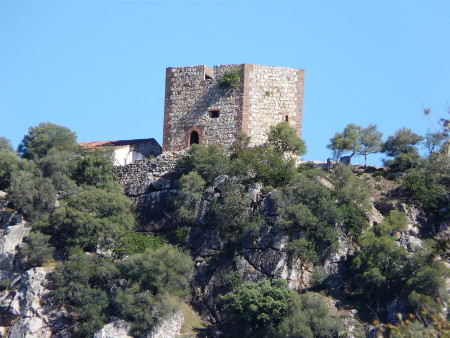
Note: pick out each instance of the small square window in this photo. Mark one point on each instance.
(214, 114)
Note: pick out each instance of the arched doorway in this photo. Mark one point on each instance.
(193, 139)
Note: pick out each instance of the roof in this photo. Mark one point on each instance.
(114, 144)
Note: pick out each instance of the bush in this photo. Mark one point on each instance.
(93, 168)
(161, 271)
(208, 161)
(231, 78)
(429, 182)
(37, 250)
(302, 249)
(231, 211)
(58, 166)
(34, 196)
(305, 206)
(74, 287)
(310, 317)
(130, 243)
(191, 189)
(91, 217)
(252, 306)
(265, 165)
(348, 188)
(10, 165)
(385, 271)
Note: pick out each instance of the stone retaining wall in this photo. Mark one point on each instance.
(134, 173)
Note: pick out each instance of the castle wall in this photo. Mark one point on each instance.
(192, 96)
(272, 95)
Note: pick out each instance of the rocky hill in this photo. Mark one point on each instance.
(311, 230)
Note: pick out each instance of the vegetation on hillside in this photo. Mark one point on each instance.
(82, 220)
(79, 213)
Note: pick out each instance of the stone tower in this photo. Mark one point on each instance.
(200, 108)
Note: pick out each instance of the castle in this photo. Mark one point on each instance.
(206, 106)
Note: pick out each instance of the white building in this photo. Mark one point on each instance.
(126, 151)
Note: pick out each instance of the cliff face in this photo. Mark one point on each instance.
(261, 254)
(22, 309)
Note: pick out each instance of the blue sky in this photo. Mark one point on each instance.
(98, 67)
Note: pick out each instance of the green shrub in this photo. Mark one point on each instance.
(302, 249)
(252, 306)
(161, 271)
(34, 196)
(37, 250)
(348, 188)
(305, 206)
(90, 218)
(265, 165)
(93, 168)
(383, 271)
(130, 243)
(310, 317)
(231, 211)
(428, 183)
(10, 165)
(231, 78)
(230, 281)
(208, 161)
(192, 187)
(74, 289)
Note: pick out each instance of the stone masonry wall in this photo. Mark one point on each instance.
(273, 94)
(191, 94)
(266, 96)
(134, 173)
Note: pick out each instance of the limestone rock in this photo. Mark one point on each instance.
(117, 328)
(33, 327)
(410, 243)
(167, 328)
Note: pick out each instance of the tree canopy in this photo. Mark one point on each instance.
(356, 140)
(283, 137)
(45, 136)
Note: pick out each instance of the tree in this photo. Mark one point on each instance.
(32, 195)
(348, 140)
(93, 168)
(402, 142)
(357, 140)
(264, 164)
(45, 136)
(10, 165)
(90, 218)
(434, 141)
(284, 138)
(5, 144)
(403, 147)
(370, 139)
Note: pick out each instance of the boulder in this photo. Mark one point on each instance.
(117, 328)
(167, 328)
